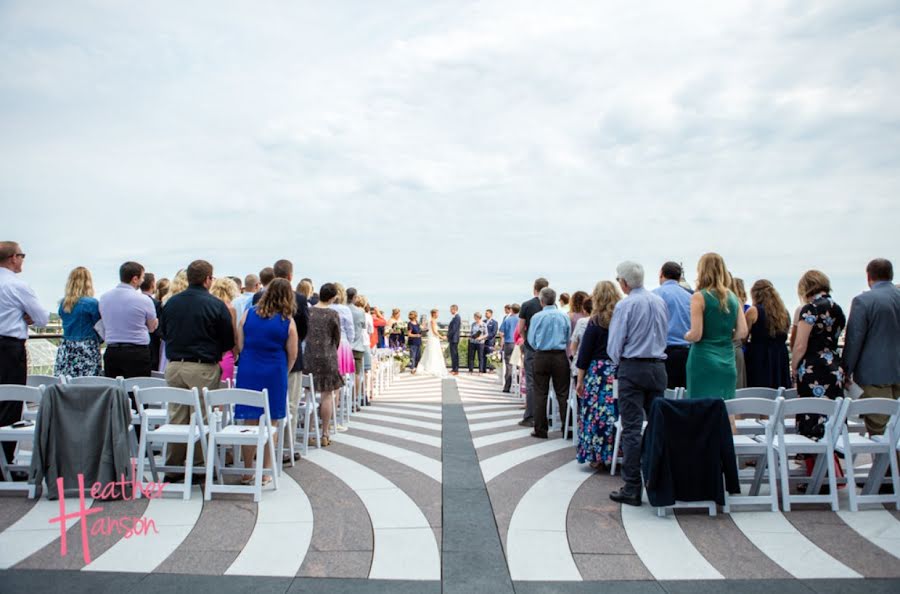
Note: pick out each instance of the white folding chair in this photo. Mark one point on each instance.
(261, 436)
(791, 444)
(880, 447)
(167, 433)
(96, 380)
(36, 380)
(758, 446)
(572, 413)
(283, 430)
(18, 432)
(752, 426)
(161, 374)
(308, 407)
(670, 393)
(514, 386)
(157, 415)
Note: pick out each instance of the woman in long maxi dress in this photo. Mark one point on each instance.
(597, 407)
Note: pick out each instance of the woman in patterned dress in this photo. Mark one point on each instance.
(79, 352)
(815, 360)
(597, 408)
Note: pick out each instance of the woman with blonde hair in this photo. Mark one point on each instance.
(348, 331)
(716, 321)
(815, 359)
(178, 284)
(737, 287)
(162, 288)
(267, 342)
(394, 328)
(594, 384)
(79, 351)
(226, 291)
(768, 321)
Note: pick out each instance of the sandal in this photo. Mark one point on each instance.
(266, 480)
(247, 480)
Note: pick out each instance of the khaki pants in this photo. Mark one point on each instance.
(189, 375)
(295, 389)
(875, 424)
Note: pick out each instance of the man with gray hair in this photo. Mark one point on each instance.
(548, 333)
(637, 345)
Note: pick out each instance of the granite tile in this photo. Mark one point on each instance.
(336, 564)
(611, 567)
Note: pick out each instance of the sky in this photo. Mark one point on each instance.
(444, 152)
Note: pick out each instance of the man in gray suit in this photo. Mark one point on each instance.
(872, 344)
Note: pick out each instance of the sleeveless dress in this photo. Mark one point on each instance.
(819, 373)
(767, 356)
(320, 359)
(711, 371)
(263, 363)
(432, 360)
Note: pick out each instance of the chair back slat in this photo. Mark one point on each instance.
(37, 379)
(752, 406)
(874, 406)
(19, 393)
(166, 395)
(789, 393)
(671, 394)
(144, 382)
(307, 382)
(769, 393)
(96, 380)
(161, 374)
(235, 396)
(816, 406)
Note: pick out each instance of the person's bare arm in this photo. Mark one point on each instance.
(740, 329)
(239, 337)
(751, 315)
(291, 345)
(697, 307)
(579, 383)
(801, 342)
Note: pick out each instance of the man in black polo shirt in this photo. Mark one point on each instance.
(529, 308)
(197, 329)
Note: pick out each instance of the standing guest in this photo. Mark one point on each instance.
(507, 311)
(241, 303)
(79, 351)
(872, 344)
(267, 343)
(305, 288)
(527, 311)
(179, 283)
(394, 329)
(313, 297)
(225, 290)
(379, 322)
(19, 308)
(548, 333)
(321, 360)
(454, 330)
(491, 328)
(768, 321)
(575, 313)
(578, 332)
(266, 276)
(360, 337)
(477, 334)
(637, 346)
(594, 384)
(348, 332)
(737, 287)
(148, 288)
(564, 305)
(162, 288)
(678, 306)
(716, 321)
(237, 283)
(362, 302)
(197, 330)
(507, 335)
(414, 340)
(129, 317)
(815, 358)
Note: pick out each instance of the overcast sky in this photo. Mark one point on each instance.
(437, 152)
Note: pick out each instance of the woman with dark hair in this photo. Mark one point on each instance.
(320, 359)
(267, 343)
(815, 359)
(79, 351)
(767, 354)
(576, 312)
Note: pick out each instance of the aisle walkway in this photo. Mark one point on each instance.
(435, 487)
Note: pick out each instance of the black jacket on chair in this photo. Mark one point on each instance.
(687, 448)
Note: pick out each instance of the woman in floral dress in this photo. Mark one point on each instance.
(816, 362)
(79, 351)
(597, 408)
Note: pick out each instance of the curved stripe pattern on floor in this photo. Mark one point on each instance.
(877, 526)
(494, 414)
(427, 466)
(487, 440)
(400, 406)
(775, 536)
(399, 420)
(33, 531)
(663, 547)
(405, 546)
(281, 536)
(497, 465)
(175, 518)
(399, 433)
(486, 426)
(537, 543)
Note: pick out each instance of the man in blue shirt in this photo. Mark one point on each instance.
(491, 326)
(548, 333)
(507, 334)
(678, 305)
(637, 345)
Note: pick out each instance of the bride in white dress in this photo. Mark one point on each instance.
(432, 361)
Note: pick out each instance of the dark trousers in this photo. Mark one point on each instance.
(528, 360)
(454, 356)
(127, 361)
(550, 365)
(640, 382)
(415, 351)
(13, 370)
(676, 366)
(488, 349)
(476, 348)
(507, 353)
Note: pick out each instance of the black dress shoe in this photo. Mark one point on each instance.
(527, 423)
(538, 435)
(287, 458)
(622, 496)
(18, 476)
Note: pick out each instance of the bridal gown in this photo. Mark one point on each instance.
(432, 361)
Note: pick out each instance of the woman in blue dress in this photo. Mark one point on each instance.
(267, 342)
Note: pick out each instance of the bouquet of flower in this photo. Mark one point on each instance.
(495, 357)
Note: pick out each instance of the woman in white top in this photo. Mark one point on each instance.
(345, 351)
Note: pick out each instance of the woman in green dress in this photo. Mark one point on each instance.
(716, 321)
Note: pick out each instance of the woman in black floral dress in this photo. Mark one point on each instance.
(815, 360)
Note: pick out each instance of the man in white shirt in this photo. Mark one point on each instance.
(19, 308)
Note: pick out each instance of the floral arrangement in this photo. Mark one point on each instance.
(495, 358)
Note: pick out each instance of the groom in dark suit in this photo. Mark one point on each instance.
(453, 331)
